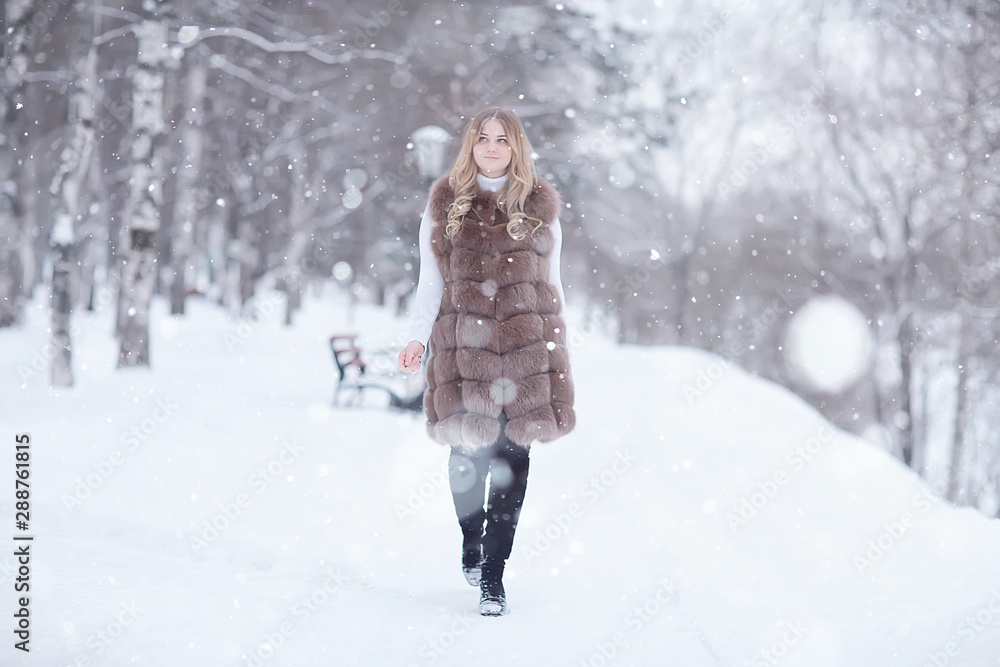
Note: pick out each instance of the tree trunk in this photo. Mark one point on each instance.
(302, 223)
(15, 15)
(247, 243)
(94, 252)
(903, 417)
(215, 250)
(138, 267)
(63, 256)
(67, 185)
(957, 477)
(188, 200)
(682, 294)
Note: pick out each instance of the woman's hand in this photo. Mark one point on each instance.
(409, 358)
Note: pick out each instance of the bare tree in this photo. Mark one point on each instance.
(67, 187)
(188, 202)
(138, 266)
(16, 19)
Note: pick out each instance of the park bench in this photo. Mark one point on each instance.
(361, 371)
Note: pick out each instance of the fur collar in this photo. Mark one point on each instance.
(543, 202)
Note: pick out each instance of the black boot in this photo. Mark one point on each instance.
(467, 472)
(492, 599)
(472, 560)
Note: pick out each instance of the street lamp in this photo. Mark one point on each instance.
(430, 142)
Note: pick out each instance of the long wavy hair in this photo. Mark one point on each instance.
(520, 175)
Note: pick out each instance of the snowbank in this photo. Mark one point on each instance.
(217, 511)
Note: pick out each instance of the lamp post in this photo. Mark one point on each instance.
(430, 142)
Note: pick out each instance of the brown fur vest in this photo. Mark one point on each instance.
(498, 343)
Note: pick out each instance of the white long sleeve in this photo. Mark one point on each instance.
(430, 283)
(555, 276)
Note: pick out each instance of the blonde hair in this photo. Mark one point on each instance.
(520, 176)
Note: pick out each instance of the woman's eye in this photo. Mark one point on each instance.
(482, 137)
(502, 141)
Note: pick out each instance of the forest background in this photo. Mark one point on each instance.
(727, 167)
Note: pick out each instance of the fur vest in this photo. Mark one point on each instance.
(498, 343)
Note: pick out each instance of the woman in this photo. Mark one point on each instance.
(489, 302)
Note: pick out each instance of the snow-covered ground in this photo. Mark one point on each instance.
(217, 510)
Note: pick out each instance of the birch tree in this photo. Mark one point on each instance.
(138, 266)
(301, 221)
(66, 188)
(188, 202)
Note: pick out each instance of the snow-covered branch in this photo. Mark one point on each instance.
(304, 47)
(114, 34)
(222, 64)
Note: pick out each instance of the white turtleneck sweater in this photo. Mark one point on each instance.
(430, 283)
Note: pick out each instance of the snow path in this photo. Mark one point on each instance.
(335, 542)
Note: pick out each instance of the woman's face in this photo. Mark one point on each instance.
(492, 150)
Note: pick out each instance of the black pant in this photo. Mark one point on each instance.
(506, 465)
